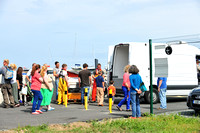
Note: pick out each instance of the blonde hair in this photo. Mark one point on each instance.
(6, 60)
(42, 73)
(13, 66)
(126, 68)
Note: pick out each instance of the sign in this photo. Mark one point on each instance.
(168, 50)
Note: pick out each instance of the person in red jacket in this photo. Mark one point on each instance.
(95, 74)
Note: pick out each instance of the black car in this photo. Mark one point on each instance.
(193, 100)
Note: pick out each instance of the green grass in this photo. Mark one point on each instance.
(160, 124)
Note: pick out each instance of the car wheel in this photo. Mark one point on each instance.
(155, 96)
(197, 112)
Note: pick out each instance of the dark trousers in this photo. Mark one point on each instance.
(6, 90)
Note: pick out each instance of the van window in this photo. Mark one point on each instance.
(161, 67)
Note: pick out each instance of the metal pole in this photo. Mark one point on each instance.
(151, 77)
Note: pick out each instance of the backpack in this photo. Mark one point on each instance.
(9, 73)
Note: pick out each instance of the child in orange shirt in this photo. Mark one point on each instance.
(113, 90)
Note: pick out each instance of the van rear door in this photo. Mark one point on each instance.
(120, 60)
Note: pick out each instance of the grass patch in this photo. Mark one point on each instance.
(150, 123)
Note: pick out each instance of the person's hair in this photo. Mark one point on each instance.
(33, 64)
(85, 65)
(100, 72)
(111, 82)
(56, 62)
(13, 66)
(42, 73)
(133, 69)
(98, 64)
(6, 60)
(64, 65)
(126, 68)
(34, 68)
(19, 71)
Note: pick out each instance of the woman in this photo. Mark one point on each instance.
(14, 85)
(46, 89)
(36, 83)
(135, 91)
(126, 90)
(20, 84)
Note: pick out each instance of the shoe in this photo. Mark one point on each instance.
(12, 106)
(120, 109)
(128, 110)
(161, 108)
(25, 104)
(132, 117)
(39, 111)
(17, 105)
(35, 113)
(51, 109)
(101, 105)
(59, 103)
(6, 106)
(43, 110)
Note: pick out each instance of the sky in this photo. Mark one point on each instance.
(78, 31)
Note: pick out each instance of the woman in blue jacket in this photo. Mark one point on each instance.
(135, 80)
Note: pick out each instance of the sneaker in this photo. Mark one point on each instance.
(6, 106)
(131, 117)
(12, 106)
(128, 110)
(120, 109)
(35, 113)
(17, 105)
(43, 110)
(25, 104)
(51, 109)
(101, 105)
(39, 111)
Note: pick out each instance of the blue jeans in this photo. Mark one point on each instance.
(126, 98)
(37, 100)
(83, 92)
(56, 83)
(135, 102)
(162, 95)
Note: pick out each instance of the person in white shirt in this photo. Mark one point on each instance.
(28, 75)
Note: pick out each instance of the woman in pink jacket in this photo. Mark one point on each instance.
(126, 90)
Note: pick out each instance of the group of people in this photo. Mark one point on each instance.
(14, 88)
(42, 87)
(98, 86)
(132, 82)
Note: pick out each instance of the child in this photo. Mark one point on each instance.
(112, 87)
(100, 89)
(63, 85)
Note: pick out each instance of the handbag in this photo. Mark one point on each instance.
(143, 87)
(24, 90)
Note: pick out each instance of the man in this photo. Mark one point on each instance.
(95, 74)
(28, 75)
(56, 72)
(63, 86)
(162, 88)
(6, 87)
(85, 81)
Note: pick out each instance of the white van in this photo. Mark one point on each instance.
(179, 67)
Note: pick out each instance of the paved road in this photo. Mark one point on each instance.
(12, 118)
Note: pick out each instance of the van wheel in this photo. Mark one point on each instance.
(155, 96)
